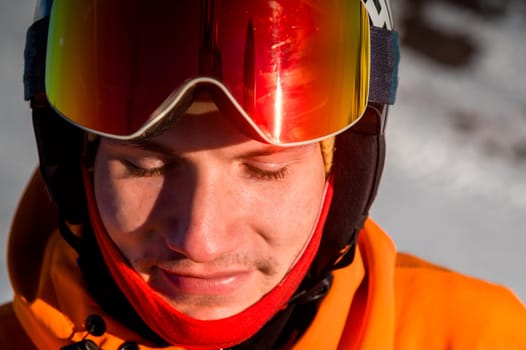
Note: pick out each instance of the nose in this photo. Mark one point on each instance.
(204, 227)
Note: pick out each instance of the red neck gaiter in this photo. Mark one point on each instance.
(175, 327)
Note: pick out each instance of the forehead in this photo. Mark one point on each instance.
(204, 128)
(202, 105)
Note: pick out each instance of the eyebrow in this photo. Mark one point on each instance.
(272, 149)
(148, 145)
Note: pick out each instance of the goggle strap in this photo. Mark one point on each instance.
(35, 58)
(385, 57)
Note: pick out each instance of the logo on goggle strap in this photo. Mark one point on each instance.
(380, 13)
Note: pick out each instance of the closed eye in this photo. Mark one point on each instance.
(267, 175)
(138, 171)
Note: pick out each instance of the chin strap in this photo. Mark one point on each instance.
(314, 293)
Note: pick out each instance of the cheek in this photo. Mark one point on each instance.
(125, 205)
(296, 213)
(290, 215)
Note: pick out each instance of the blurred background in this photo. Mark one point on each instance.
(454, 186)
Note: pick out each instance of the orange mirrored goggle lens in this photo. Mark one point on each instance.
(297, 70)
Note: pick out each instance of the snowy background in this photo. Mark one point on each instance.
(454, 187)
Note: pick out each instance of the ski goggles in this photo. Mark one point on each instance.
(296, 71)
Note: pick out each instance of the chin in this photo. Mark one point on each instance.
(206, 308)
(209, 313)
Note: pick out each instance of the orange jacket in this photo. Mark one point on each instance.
(383, 300)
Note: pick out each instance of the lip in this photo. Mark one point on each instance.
(219, 283)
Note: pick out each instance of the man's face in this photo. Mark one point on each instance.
(211, 219)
